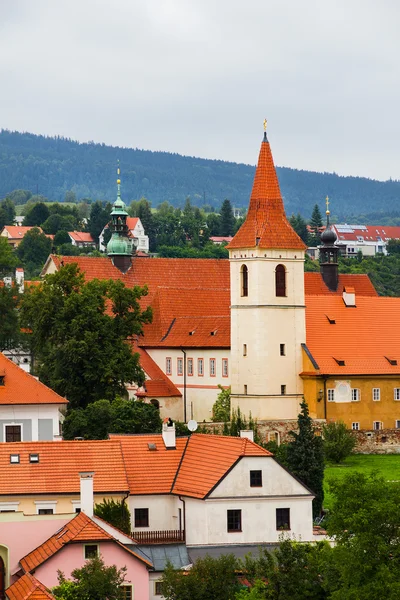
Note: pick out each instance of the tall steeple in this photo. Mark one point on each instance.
(266, 225)
(328, 255)
(120, 246)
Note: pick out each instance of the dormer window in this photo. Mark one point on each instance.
(14, 459)
(34, 458)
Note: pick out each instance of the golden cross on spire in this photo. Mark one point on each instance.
(328, 212)
(265, 124)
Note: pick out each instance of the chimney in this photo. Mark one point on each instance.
(349, 296)
(87, 492)
(168, 433)
(247, 433)
(19, 280)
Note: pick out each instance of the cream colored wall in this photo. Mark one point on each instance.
(201, 391)
(263, 321)
(63, 502)
(163, 511)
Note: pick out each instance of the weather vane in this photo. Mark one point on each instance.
(327, 205)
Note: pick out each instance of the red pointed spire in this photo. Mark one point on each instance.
(266, 225)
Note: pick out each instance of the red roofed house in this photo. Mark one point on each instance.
(369, 239)
(81, 239)
(15, 233)
(136, 232)
(29, 410)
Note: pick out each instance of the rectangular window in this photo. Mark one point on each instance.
(283, 519)
(45, 511)
(13, 433)
(141, 517)
(245, 389)
(91, 551)
(331, 395)
(255, 478)
(179, 366)
(283, 390)
(212, 367)
(397, 424)
(225, 371)
(34, 458)
(397, 393)
(200, 367)
(355, 395)
(376, 394)
(158, 588)
(282, 350)
(190, 367)
(234, 520)
(168, 366)
(355, 426)
(377, 425)
(244, 349)
(126, 592)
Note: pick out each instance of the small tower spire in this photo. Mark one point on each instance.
(328, 254)
(265, 131)
(118, 181)
(328, 212)
(120, 247)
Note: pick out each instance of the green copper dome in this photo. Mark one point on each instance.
(119, 245)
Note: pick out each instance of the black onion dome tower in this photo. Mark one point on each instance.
(328, 255)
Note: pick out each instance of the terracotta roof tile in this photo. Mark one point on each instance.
(28, 587)
(18, 231)
(206, 460)
(22, 388)
(59, 465)
(314, 285)
(266, 225)
(362, 336)
(158, 383)
(81, 236)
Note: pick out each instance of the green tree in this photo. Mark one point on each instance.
(142, 209)
(34, 250)
(37, 214)
(316, 221)
(7, 212)
(58, 222)
(227, 219)
(94, 581)
(257, 592)
(365, 522)
(339, 442)
(393, 247)
(61, 237)
(8, 259)
(221, 410)
(213, 224)
(305, 457)
(300, 227)
(99, 217)
(79, 333)
(115, 513)
(19, 196)
(10, 336)
(70, 197)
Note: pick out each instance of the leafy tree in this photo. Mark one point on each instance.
(305, 457)
(62, 237)
(142, 209)
(227, 219)
(79, 333)
(221, 410)
(70, 196)
(94, 581)
(99, 217)
(213, 224)
(10, 336)
(300, 227)
(34, 249)
(115, 513)
(7, 212)
(339, 442)
(257, 592)
(100, 418)
(8, 260)
(37, 214)
(393, 247)
(19, 196)
(57, 222)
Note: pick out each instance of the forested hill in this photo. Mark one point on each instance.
(53, 165)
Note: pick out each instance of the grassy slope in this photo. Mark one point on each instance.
(387, 465)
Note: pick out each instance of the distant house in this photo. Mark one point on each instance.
(15, 234)
(140, 239)
(218, 240)
(81, 239)
(29, 410)
(368, 239)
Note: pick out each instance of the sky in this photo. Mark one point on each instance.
(198, 77)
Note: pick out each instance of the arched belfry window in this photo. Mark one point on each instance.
(244, 275)
(280, 281)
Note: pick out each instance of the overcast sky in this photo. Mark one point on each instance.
(198, 77)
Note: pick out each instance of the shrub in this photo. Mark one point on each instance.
(339, 442)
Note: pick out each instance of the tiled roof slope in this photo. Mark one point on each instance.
(59, 465)
(266, 225)
(132, 222)
(22, 388)
(157, 385)
(362, 336)
(18, 231)
(81, 236)
(206, 460)
(150, 471)
(370, 233)
(314, 285)
(28, 587)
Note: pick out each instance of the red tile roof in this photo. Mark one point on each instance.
(22, 388)
(157, 384)
(207, 459)
(28, 587)
(81, 236)
(80, 529)
(132, 222)
(362, 336)
(314, 285)
(59, 465)
(18, 231)
(266, 225)
(370, 233)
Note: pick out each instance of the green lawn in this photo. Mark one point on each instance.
(386, 465)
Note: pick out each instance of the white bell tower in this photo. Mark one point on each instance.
(267, 303)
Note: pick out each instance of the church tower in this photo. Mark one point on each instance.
(120, 247)
(267, 303)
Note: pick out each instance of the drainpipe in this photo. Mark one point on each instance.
(184, 385)
(184, 516)
(325, 398)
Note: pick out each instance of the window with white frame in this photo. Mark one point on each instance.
(168, 365)
(377, 425)
(126, 592)
(179, 366)
(200, 367)
(376, 394)
(224, 367)
(331, 395)
(212, 367)
(158, 588)
(190, 366)
(6, 507)
(397, 393)
(355, 426)
(46, 507)
(355, 394)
